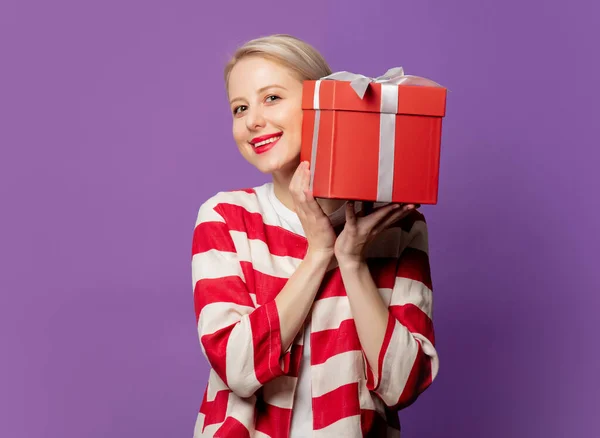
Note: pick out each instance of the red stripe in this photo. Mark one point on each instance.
(340, 403)
(372, 424)
(249, 273)
(409, 220)
(327, 343)
(415, 320)
(212, 235)
(383, 271)
(214, 411)
(295, 360)
(266, 340)
(418, 380)
(280, 241)
(331, 286)
(215, 345)
(272, 420)
(414, 264)
(229, 289)
(232, 428)
(266, 286)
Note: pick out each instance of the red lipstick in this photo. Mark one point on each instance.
(265, 147)
(264, 137)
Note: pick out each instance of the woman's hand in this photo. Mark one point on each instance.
(360, 231)
(317, 226)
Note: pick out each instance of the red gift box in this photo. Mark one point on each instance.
(373, 139)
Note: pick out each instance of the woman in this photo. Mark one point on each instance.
(309, 333)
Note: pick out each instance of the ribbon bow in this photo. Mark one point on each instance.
(394, 76)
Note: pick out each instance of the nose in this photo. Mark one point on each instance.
(255, 119)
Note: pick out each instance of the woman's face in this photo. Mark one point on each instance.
(266, 103)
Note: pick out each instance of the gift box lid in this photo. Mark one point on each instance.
(424, 100)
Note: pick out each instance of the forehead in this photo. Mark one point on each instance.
(253, 73)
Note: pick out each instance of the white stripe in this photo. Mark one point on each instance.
(207, 214)
(348, 368)
(257, 252)
(389, 99)
(315, 136)
(388, 243)
(386, 295)
(419, 237)
(368, 401)
(430, 351)
(209, 431)
(213, 264)
(385, 171)
(280, 392)
(240, 409)
(392, 433)
(215, 316)
(243, 410)
(346, 427)
(215, 384)
(253, 298)
(329, 313)
(239, 360)
(391, 242)
(316, 95)
(239, 198)
(387, 139)
(408, 291)
(397, 364)
(198, 426)
(250, 202)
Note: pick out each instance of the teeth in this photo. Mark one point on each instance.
(271, 140)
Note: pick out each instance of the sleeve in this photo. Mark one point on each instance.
(240, 340)
(408, 361)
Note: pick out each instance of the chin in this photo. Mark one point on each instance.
(274, 163)
(276, 166)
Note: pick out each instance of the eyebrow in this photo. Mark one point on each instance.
(260, 91)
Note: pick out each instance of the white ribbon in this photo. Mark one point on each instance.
(387, 122)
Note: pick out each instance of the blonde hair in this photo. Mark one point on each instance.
(291, 52)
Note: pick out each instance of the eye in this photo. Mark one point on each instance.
(272, 98)
(238, 109)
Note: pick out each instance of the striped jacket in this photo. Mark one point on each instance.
(242, 255)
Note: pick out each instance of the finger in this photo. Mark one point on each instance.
(393, 218)
(303, 180)
(312, 206)
(296, 182)
(379, 215)
(350, 214)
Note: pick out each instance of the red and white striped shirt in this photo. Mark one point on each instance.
(246, 244)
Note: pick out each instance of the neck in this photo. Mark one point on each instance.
(281, 184)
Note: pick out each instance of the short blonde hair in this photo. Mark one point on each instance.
(291, 52)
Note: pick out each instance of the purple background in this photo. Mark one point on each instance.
(114, 128)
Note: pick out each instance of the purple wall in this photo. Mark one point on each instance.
(114, 128)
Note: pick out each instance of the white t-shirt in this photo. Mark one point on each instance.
(302, 419)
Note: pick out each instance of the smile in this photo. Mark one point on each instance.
(270, 140)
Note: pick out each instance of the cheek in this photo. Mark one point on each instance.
(239, 134)
(294, 121)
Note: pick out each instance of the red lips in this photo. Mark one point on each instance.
(264, 137)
